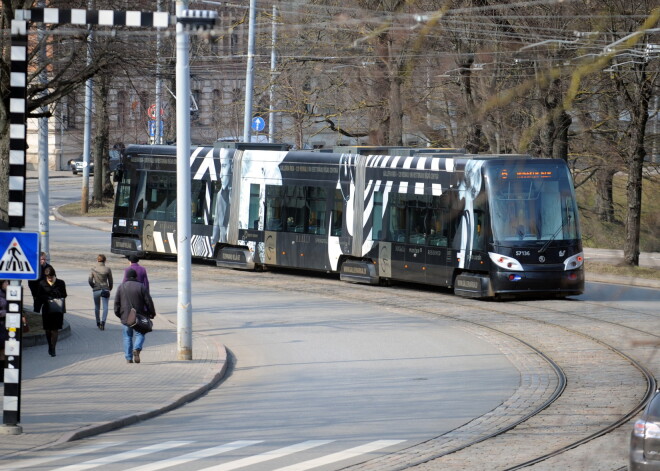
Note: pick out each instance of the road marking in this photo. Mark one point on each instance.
(69, 454)
(341, 455)
(267, 456)
(129, 455)
(206, 453)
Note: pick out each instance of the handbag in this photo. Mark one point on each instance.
(56, 305)
(143, 324)
(139, 322)
(105, 293)
(131, 319)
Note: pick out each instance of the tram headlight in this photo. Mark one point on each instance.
(574, 262)
(503, 261)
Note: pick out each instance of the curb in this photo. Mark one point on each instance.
(617, 280)
(104, 427)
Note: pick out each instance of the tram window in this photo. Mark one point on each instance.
(295, 208)
(274, 208)
(161, 196)
(478, 230)
(377, 217)
(398, 218)
(419, 219)
(253, 215)
(317, 210)
(123, 199)
(437, 227)
(198, 190)
(533, 210)
(140, 195)
(338, 214)
(571, 226)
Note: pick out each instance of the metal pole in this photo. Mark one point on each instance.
(273, 68)
(84, 199)
(43, 146)
(249, 74)
(12, 365)
(184, 308)
(158, 138)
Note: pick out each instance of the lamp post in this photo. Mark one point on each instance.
(186, 19)
(249, 74)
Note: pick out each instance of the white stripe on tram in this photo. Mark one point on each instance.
(172, 241)
(158, 242)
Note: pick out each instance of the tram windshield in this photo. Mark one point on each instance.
(533, 203)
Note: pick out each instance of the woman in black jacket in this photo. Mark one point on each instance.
(52, 288)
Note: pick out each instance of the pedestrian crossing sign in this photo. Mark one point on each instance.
(19, 255)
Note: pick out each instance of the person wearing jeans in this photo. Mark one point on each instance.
(132, 294)
(100, 279)
(133, 343)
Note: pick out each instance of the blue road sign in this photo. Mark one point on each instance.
(258, 123)
(152, 128)
(19, 255)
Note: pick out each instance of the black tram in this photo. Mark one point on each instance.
(485, 226)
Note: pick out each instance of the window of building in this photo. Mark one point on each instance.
(122, 108)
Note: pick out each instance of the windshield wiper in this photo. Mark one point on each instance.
(547, 244)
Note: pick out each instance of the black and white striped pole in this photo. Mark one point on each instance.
(187, 19)
(11, 368)
(11, 415)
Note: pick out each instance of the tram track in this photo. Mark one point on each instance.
(462, 457)
(586, 370)
(605, 385)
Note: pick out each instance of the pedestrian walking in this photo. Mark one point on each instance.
(132, 294)
(4, 335)
(34, 284)
(51, 295)
(100, 279)
(139, 269)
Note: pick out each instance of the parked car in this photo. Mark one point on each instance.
(115, 160)
(77, 166)
(645, 438)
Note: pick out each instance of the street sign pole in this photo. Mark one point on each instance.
(16, 263)
(19, 260)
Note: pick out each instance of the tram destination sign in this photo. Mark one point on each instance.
(527, 174)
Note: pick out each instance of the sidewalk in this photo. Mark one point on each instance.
(88, 388)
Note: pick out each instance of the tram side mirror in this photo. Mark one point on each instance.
(119, 171)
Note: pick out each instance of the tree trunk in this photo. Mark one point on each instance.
(604, 200)
(395, 133)
(635, 166)
(554, 123)
(560, 144)
(473, 136)
(101, 138)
